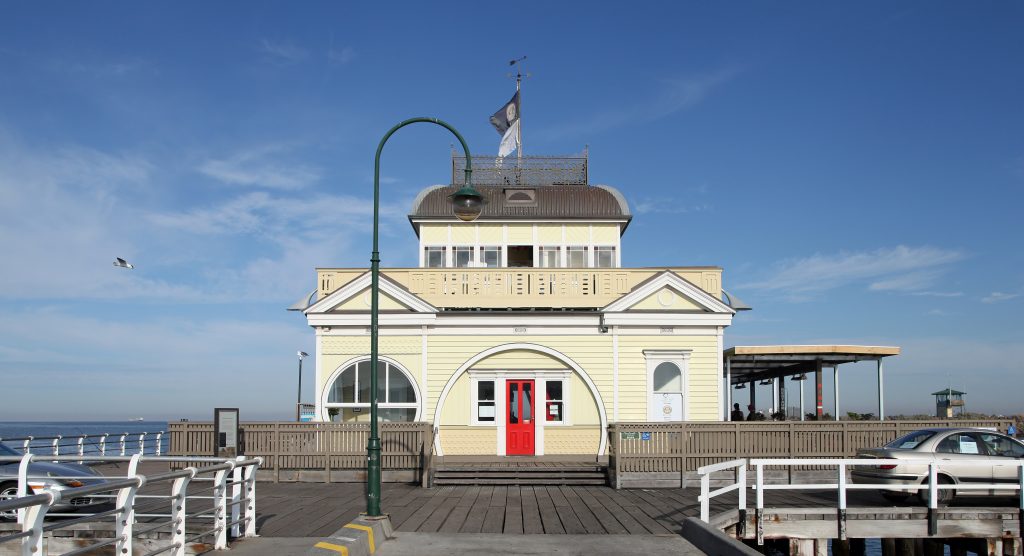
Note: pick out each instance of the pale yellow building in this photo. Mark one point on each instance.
(521, 333)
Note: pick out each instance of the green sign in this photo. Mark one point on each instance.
(630, 435)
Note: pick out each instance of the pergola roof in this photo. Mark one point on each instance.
(748, 363)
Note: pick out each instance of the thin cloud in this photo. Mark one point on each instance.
(255, 167)
(900, 268)
(938, 294)
(341, 56)
(675, 95)
(999, 297)
(667, 206)
(283, 52)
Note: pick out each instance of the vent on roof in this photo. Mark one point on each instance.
(521, 197)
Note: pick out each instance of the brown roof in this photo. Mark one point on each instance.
(553, 202)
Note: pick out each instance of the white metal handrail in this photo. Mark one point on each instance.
(842, 485)
(235, 517)
(63, 444)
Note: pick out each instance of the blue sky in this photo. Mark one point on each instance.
(858, 171)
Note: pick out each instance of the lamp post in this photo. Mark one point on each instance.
(467, 204)
(298, 397)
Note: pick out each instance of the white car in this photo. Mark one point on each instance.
(953, 450)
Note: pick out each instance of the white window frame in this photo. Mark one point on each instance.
(557, 249)
(326, 393)
(444, 255)
(483, 248)
(475, 401)
(680, 358)
(466, 249)
(586, 255)
(566, 385)
(614, 255)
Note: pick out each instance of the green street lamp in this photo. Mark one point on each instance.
(467, 204)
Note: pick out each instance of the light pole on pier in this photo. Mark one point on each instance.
(467, 203)
(298, 398)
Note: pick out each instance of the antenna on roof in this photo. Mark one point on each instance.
(518, 63)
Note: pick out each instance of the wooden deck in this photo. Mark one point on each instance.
(312, 509)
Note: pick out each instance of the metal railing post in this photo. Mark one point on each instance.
(26, 446)
(123, 436)
(179, 512)
(142, 443)
(759, 510)
(125, 521)
(220, 508)
(159, 443)
(32, 545)
(841, 511)
(250, 494)
(103, 444)
(933, 502)
(56, 445)
(705, 500)
(23, 482)
(81, 448)
(236, 499)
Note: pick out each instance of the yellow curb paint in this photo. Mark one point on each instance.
(343, 550)
(369, 533)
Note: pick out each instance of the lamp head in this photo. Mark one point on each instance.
(303, 355)
(467, 203)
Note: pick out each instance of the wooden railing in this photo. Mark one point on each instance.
(314, 446)
(684, 447)
(520, 287)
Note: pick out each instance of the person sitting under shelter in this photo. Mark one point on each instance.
(737, 413)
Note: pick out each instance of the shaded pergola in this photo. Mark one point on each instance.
(753, 364)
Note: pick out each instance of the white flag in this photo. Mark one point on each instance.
(509, 141)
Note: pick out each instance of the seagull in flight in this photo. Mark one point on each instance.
(123, 263)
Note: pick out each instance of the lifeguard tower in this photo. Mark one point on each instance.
(947, 402)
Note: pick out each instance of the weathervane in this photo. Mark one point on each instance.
(518, 63)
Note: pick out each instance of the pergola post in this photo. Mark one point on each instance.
(835, 388)
(881, 392)
(818, 409)
(802, 416)
(728, 389)
(753, 395)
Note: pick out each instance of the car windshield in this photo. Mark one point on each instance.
(6, 451)
(910, 441)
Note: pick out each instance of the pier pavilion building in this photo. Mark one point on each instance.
(522, 333)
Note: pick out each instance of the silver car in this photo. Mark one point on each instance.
(44, 475)
(953, 450)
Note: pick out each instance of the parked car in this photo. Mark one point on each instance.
(44, 475)
(950, 448)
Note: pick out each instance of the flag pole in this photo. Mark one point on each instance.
(519, 129)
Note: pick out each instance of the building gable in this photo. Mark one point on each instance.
(355, 296)
(668, 292)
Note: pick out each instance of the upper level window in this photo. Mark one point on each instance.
(550, 257)
(577, 257)
(463, 256)
(490, 256)
(604, 257)
(433, 257)
(554, 409)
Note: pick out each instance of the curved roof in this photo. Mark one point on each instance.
(552, 202)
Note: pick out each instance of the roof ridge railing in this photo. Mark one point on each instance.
(528, 171)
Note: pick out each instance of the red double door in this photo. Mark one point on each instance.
(519, 415)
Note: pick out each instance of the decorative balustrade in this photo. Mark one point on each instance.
(520, 287)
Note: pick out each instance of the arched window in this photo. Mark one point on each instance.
(668, 378)
(348, 397)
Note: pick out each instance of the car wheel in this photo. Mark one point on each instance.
(7, 491)
(945, 495)
(895, 497)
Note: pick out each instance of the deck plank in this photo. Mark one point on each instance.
(633, 527)
(413, 522)
(549, 516)
(605, 517)
(570, 521)
(514, 511)
(441, 514)
(478, 512)
(582, 512)
(532, 523)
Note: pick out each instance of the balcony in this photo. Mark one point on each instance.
(515, 288)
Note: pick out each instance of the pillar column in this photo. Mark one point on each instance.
(881, 393)
(835, 388)
(818, 410)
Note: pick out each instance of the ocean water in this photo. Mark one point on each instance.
(43, 433)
